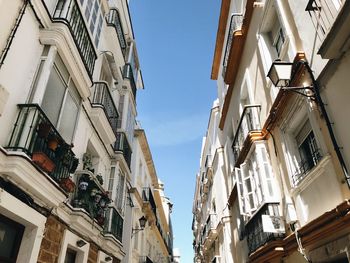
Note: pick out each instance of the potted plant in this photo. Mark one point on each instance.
(99, 179)
(52, 142)
(67, 184)
(44, 129)
(87, 162)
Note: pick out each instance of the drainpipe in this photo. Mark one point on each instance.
(328, 123)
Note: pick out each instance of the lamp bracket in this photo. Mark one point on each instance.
(298, 89)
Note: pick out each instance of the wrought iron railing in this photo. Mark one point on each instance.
(114, 224)
(68, 12)
(256, 237)
(209, 226)
(113, 19)
(235, 25)
(306, 164)
(323, 14)
(249, 122)
(122, 145)
(145, 259)
(102, 97)
(35, 135)
(147, 196)
(129, 73)
(91, 196)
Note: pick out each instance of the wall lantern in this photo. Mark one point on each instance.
(142, 222)
(280, 73)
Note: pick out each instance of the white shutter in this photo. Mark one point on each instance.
(265, 168)
(240, 192)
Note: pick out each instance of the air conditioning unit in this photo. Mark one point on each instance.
(216, 259)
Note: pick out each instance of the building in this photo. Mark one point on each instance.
(151, 242)
(69, 75)
(285, 179)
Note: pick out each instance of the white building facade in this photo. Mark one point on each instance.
(285, 152)
(69, 74)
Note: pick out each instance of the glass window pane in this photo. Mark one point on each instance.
(53, 96)
(68, 118)
(70, 256)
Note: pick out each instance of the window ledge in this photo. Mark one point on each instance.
(311, 176)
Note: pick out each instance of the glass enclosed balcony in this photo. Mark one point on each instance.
(36, 136)
(102, 97)
(130, 73)
(68, 12)
(147, 197)
(114, 224)
(122, 145)
(249, 123)
(209, 230)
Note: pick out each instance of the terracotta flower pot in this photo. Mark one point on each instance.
(43, 161)
(52, 143)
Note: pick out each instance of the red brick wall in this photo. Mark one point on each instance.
(51, 243)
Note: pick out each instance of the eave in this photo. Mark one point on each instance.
(220, 37)
(234, 59)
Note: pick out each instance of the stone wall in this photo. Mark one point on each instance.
(51, 243)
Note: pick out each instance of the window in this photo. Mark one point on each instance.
(93, 16)
(120, 193)
(10, 239)
(255, 183)
(309, 152)
(111, 180)
(70, 256)
(61, 101)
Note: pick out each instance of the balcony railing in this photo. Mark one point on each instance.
(256, 237)
(35, 135)
(102, 97)
(306, 165)
(113, 19)
(122, 145)
(249, 122)
(68, 12)
(235, 25)
(145, 259)
(323, 14)
(114, 223)
(147, 196)
(129, 73)
(90, 196)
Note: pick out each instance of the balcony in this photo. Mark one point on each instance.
(102, 98)
(235, 27)
(256, 236)
(149, 205)
(113, 19)
(122, 145)
(209, 231)
(36, 136)
(68, 12)
(145, 259)
(90, 196)
(130, 74)
(248, 131)
(114, 223)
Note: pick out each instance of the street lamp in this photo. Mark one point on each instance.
(281, 76)
(142, 222)
(280, 73)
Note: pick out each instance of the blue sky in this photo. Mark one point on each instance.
(175, 42)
